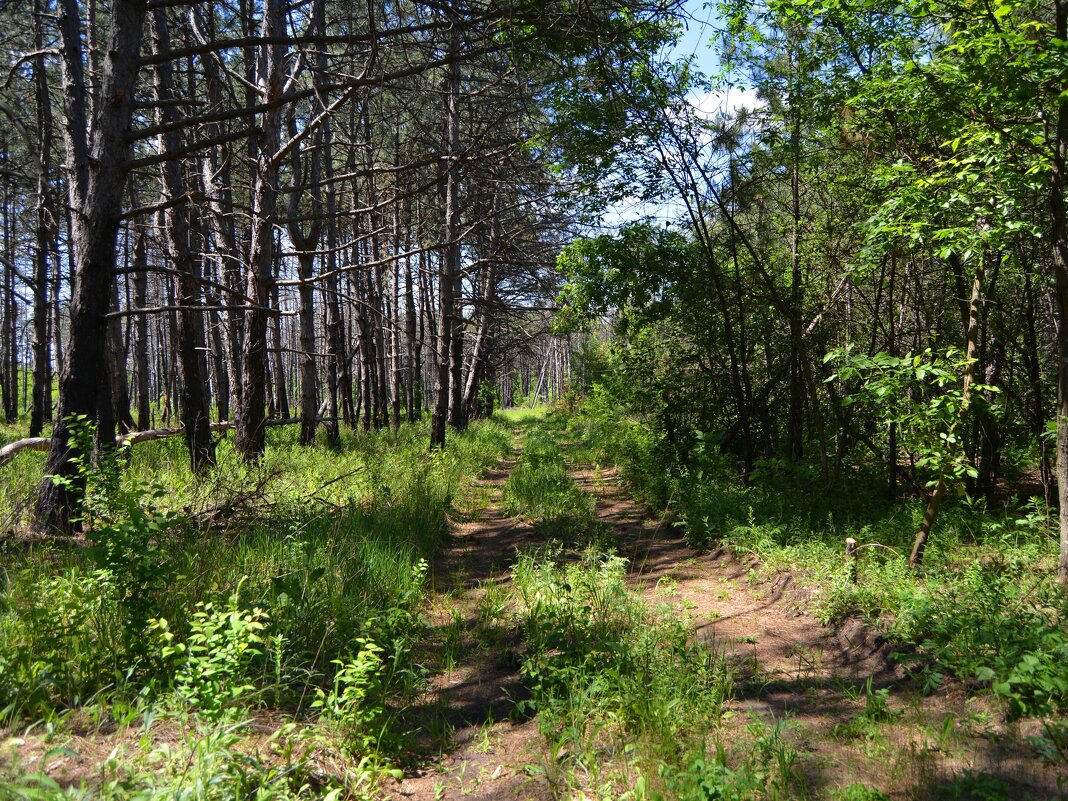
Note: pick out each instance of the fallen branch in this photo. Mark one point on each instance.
(12, 449)
(152, 434)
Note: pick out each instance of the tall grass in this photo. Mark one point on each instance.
(985, 607)
(540, 489)
(320, 555)
(628, 701)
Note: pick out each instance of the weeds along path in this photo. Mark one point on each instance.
(476, 750)
(857, 729)
(765, 626)
(846, 732)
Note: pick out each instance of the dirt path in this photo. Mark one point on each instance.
(789, 668)
(765, 624)
(483, 752)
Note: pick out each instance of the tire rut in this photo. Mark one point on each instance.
(790, 667)
(470, 704)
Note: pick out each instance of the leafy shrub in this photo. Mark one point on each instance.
(356, 702)
(60, 652)
(204, 763)
(212, 666)
(763, 769)
(992, 625)
(647, 463)
(602, 666)
(129, 549)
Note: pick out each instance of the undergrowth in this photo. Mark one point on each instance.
(293, 589)
(539, 488)
(627, 699)
(985, 608)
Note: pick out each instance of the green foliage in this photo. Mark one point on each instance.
(98, 472)
(199, 763)
(995, 624)
(627, 696)
(859, 792)
(128, 549)
(924, 395)
(763, 771)
(644, 458)
(607, 673)
(540, 489)
(62, 638)
(988, 610)
(977, 144)
(972, 786)
(310, 552)
(355, 704)
(876, 711)
(212, 666)
(627, 274)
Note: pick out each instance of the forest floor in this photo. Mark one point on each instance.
(860, 728)
(842, 718)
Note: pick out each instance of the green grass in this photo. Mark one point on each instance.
(204, 762)
(295, 585)
(293, 594)
(629, 703)
(540, 489)
(985, 607)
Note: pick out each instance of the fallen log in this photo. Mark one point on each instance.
(12, 449)
(9, 451)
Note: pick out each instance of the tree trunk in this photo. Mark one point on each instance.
(309, 380)
(281, 390)
(1058, 189)
(141, 344)
(489, 296)
(394, 328)
(1033, 360)
(195, 407)
(413, 366)
(306, 243)
(336, 359)
(46, 238)
(98, 169)
(216, 182)
(120, 385)
(795, 427)
(449, 276)
(9, 373)
(250, 438)
(975, 308)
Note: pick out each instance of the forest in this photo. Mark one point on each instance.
(649, 400)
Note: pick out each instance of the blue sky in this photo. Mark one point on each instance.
(695, 41)
(701, 23)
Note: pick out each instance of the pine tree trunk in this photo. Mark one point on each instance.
(394, 317)
(195, 406)
(412, 372)
(141, 344)
(447, 389)
(97, 163)
(120, 385)
(45, 238)
(250, 437)
(336, 358)
(309, 379)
